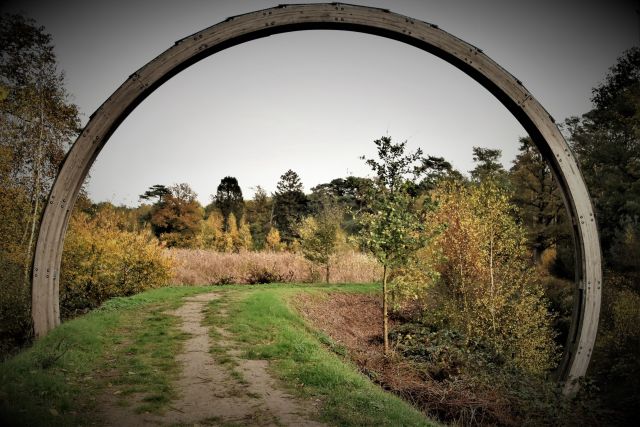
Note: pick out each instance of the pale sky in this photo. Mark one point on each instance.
(314, 101)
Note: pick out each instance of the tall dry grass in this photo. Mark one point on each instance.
(206, 267)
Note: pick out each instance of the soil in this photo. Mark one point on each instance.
(355, 322)
(209, 392)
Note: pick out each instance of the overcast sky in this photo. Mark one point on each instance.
(314, 101)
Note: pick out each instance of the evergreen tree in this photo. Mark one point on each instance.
(488, 166)
(606, 141)
(538, 197)
(290, 205)
(228, 198)
(158, 191)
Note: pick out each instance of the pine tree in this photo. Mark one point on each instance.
(290, 205)
(228, 198)
(537, 194)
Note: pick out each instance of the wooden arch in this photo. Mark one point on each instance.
(330, 16)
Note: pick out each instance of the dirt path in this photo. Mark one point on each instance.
(238, 392)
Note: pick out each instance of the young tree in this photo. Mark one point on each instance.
(487, 288)
(290, 205)
(228, 198)
(319, 238)
(392, 230)
(258, 217)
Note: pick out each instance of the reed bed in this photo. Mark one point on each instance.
(208, 267)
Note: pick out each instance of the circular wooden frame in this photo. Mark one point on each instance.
(334, 16)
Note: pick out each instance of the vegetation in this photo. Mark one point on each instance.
(125, 347)
(267, 328)
(102, 260)
(290, 205)
(320, 239)
(37, 124)
(477, 271)
(392, 230)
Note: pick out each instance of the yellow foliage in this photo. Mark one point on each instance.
(476, 275)
(273, 242)
(245, 241)
(211, 232)
(101, 261)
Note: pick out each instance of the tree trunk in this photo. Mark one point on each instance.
(385, 317)
(327, 272)
(36, 192)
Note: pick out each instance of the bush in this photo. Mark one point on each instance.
(101, 260)
(477, 276)
(15, 309)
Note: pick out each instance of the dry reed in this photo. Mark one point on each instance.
(206, 267)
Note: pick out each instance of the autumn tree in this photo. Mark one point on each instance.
(38, 122)
(37, 125)
(103, 260)
(245, 240)
(228, 198)
(290, 205)
(319, 238)
(486, 285)
(273, 242)
(391, 231)
(211, 233)
(175, 217)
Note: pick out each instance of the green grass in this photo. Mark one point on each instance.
(125, 347)
(267, 328)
